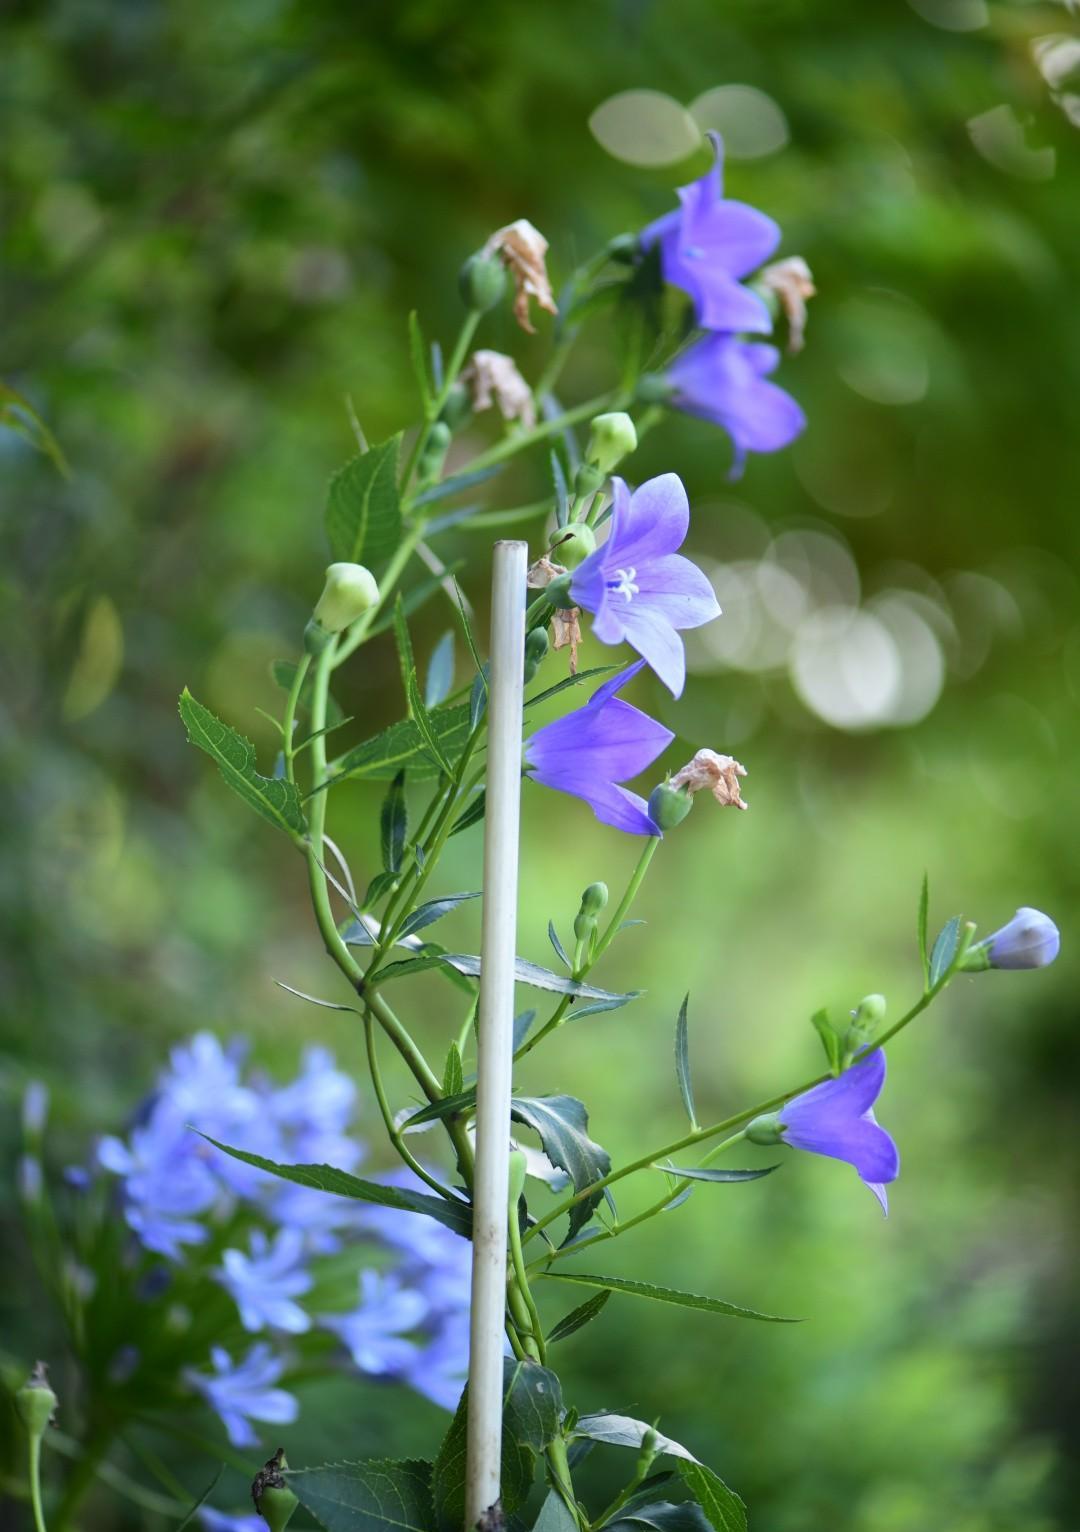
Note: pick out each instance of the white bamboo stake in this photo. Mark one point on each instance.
(494, 1051)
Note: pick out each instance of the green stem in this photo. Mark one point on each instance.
(434, 408)
(520, 1281)
(35, 1483)
(393, 1132)
(524, 439)
(83, 1475)
(701, 1135)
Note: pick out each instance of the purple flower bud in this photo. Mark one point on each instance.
(1030, 940)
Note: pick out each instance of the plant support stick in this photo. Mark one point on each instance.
(495, 1031)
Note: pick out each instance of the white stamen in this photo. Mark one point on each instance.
(624, 585)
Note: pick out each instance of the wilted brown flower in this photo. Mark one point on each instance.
(719, 773)
(792, 283)
(566, 633)
(543, 572)
(522, 248)
(493, 378)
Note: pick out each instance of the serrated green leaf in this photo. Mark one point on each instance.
(562, 1124)
(625, 1431)
(921, 928)
(327, 1178)
(541, 978)
(422, 719)
(394, 824)
(439, 680)
(722, 1506)
(275, 799)
(584, 1314)
(944, 949)
(403, 744)
(532, 1411)
(363, 512)
(427, 914)
(380, 1495)
(682, 1063)
(665, 1295)
(453, 1077)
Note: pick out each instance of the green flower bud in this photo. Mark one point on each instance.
(274, 1500)
(435, 449)
(669, 806)
(536, 648)
(611, 438)
(649, 1448)
(588, 480)
(573, 543)
(482, 282)
(458, 407)
(350, 590)
(869, 1012)
(517, 1177)
(35, 1402)
(558, 593)
(653, 388)
(594, 899)
(766, 1129)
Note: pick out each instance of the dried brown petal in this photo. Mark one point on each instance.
(792, 283)
(566, 633)
(719, 773)
(522, 248)
(493, 378)
(543, 572)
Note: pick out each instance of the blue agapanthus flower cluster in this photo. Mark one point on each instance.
(706, 247)
(182, 1197)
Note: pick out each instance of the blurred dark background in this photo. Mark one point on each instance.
(217, 217)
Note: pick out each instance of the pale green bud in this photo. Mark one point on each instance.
(274, 1500)
(558, 593)
(35, 1402)
(536, 648)
(350, 590)
(482, 282)
(766, 1129)
(669, 806)
(435, 449)
(573, 544)
(594, 899)
(611, 438)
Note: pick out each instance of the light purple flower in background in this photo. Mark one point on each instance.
(220, 1521)
(589, 752)
(638, 587)
(243, 1391)
(374, 1333)
(264, 1284)
(440, 1370)
(707, 244)
(1030, 940)
(167, 1183)
(837, 1118)
(723, 379)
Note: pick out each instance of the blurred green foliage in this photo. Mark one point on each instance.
(218, 217)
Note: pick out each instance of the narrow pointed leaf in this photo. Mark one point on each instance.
(327, 1005)
(584, 1314)
(275, 799)
(625, 1431)
(449, 1106)
(422, 719)
(562, 1124)
(456, 484)
(560, 951)
(433, 910)
(568, 681)
(363, 512)
(541, 978)
(562, 494)
(830, 1040)
(440, 673)
(471, 815)
(682, 1063)
(924, 916)
(665, 1295)
(714, 1173)
(452, 1074)
(394, 824)
(522, 1022)
(404, 652)
(944, 949)
(327, 1178)
(416, 354)
(379, 1495)
(595, 1007)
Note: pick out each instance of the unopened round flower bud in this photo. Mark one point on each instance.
(558, 593)
(869, 1012)
(482, 282)
(435, 449)
(669, 806)
(766, 1129)
(1030, 940)
(349, 591)
(274, 1500)
(573, 543)
(457, 408)
(536, 648)
(594, 899)
(611, 438)
(35, 1402)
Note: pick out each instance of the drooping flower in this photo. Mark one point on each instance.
(591, 751)
(837, 1119)
(723, 379)
(522, 249)
(243, 1391)
(493, 378)
(707, 244)
(638, 588)
(375, 1332)
(265, 1283)
(719, 773)
(1030, 940)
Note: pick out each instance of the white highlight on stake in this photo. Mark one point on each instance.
(495, 1030)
